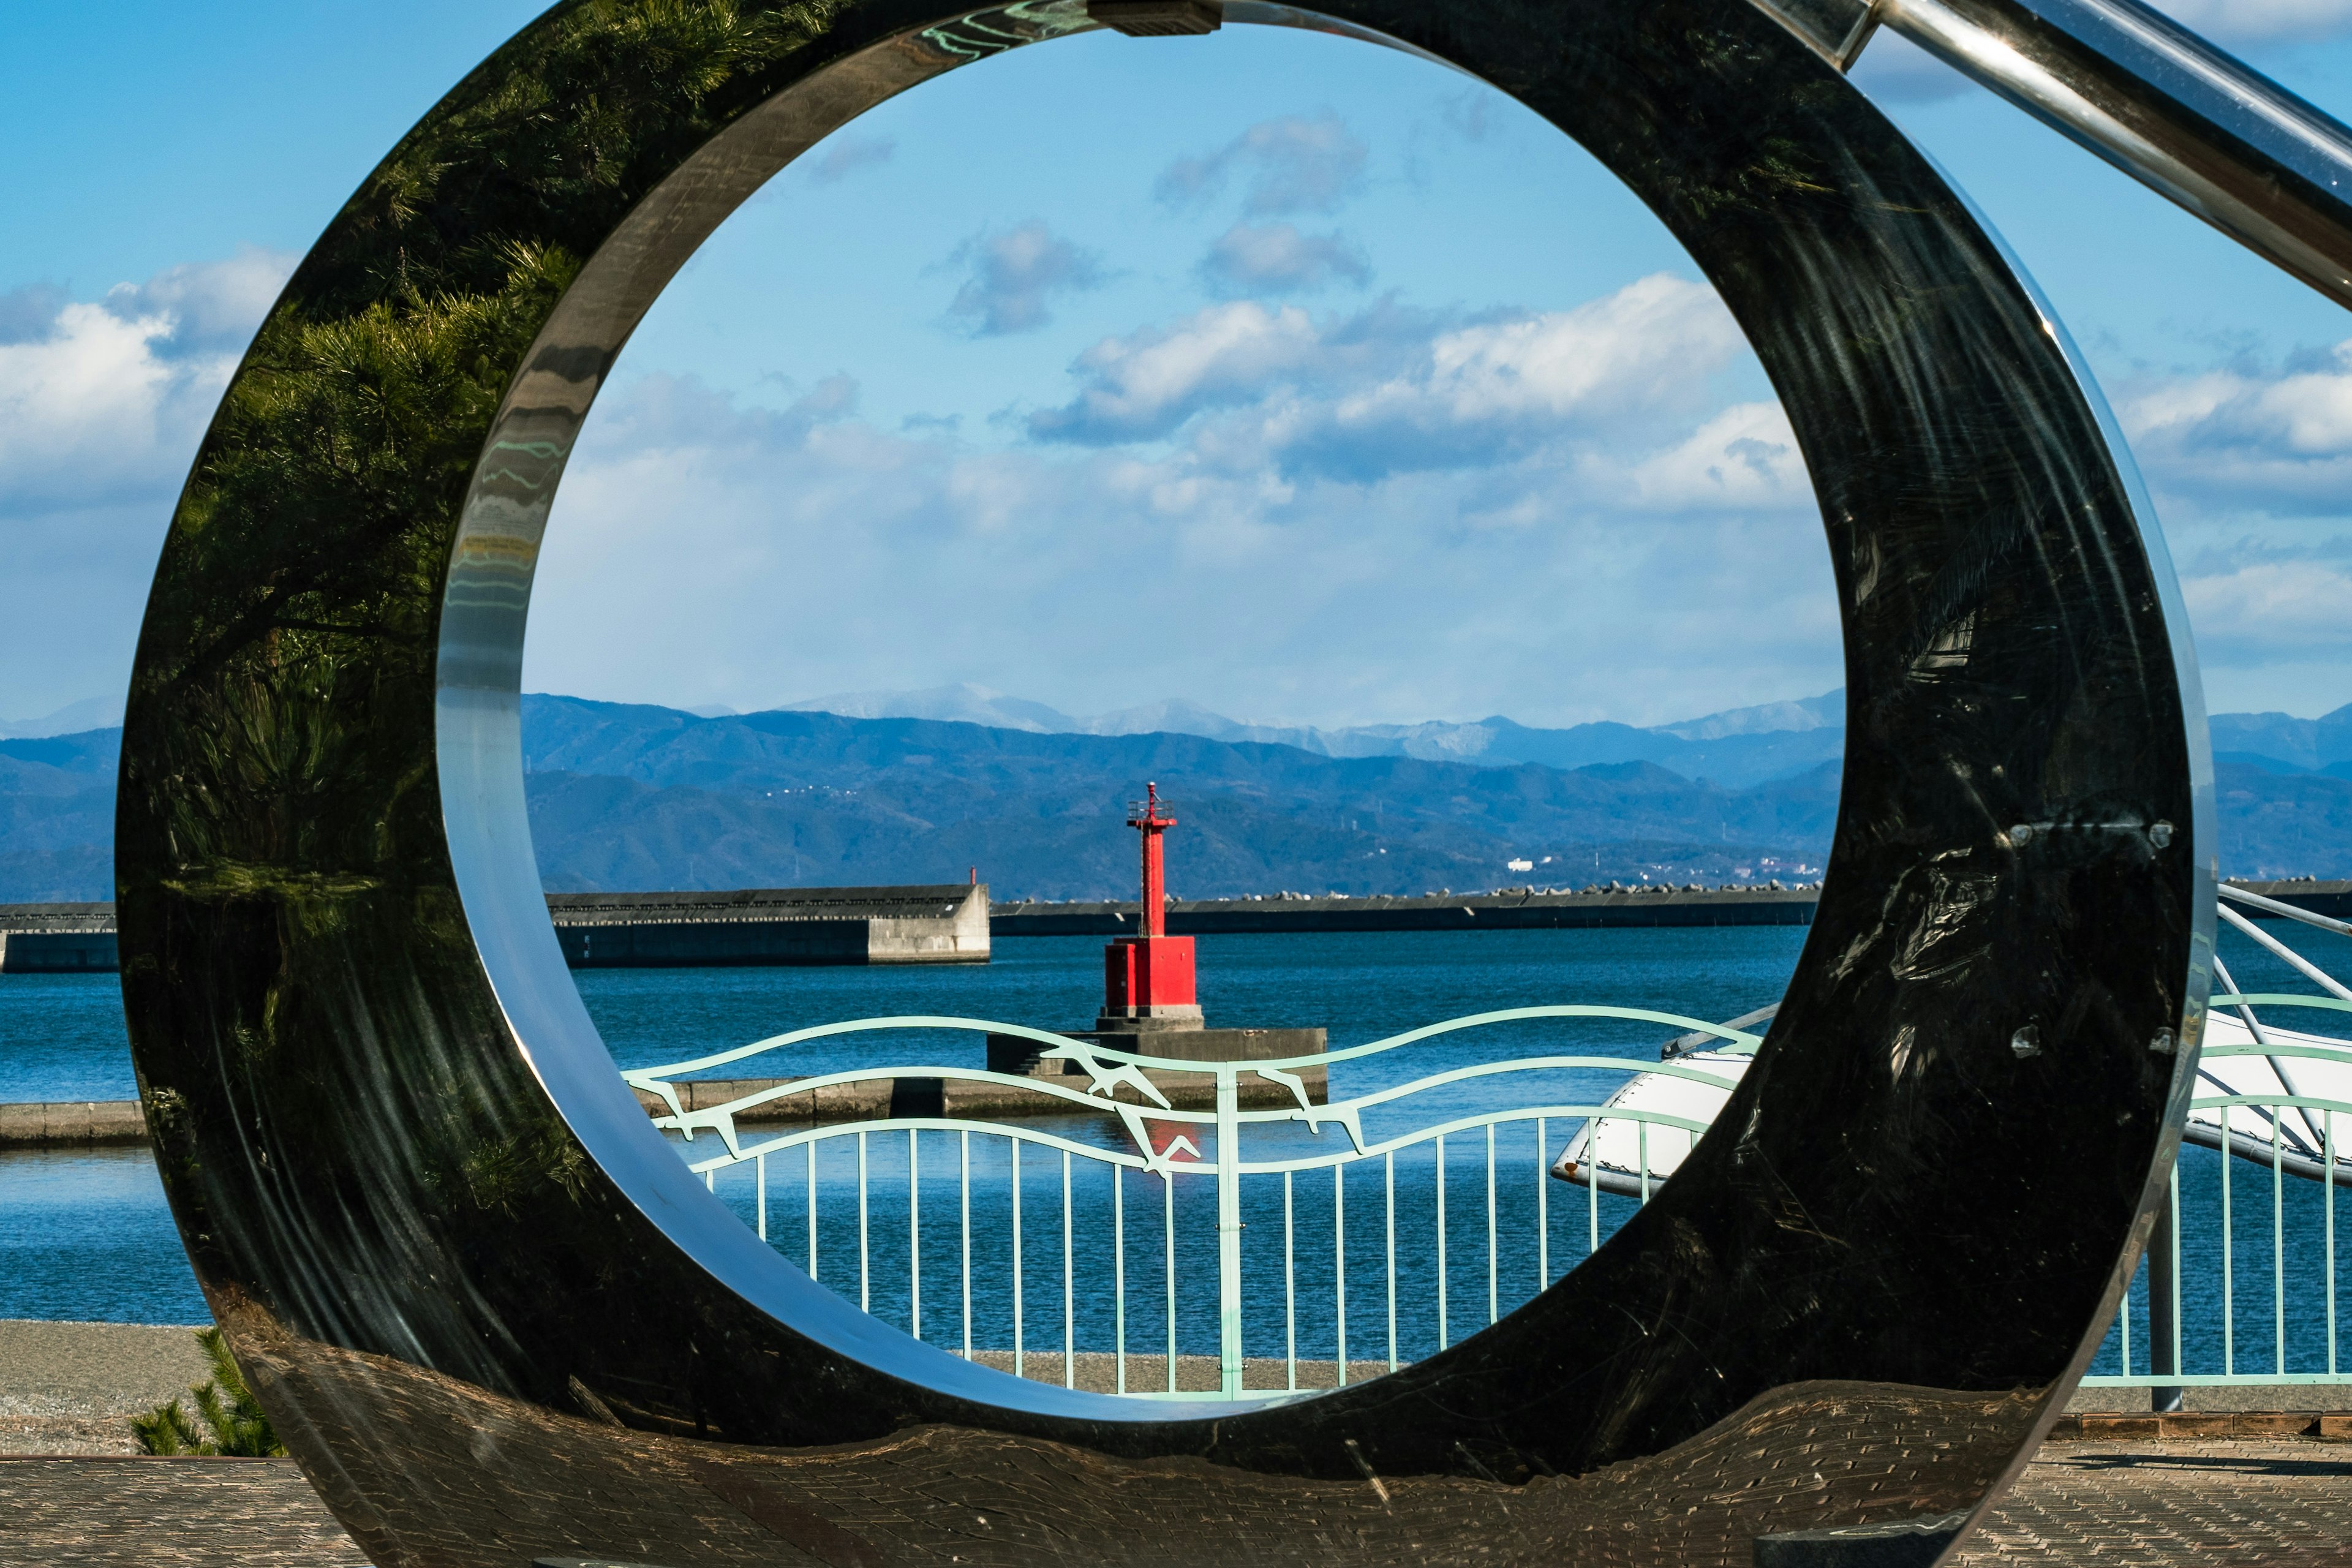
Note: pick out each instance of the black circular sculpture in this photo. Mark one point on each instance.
(497, 1319)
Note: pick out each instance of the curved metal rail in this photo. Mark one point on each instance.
(1196, 1149)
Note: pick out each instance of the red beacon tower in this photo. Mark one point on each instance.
(1148, 978)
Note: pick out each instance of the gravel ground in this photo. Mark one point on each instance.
(69, 1388)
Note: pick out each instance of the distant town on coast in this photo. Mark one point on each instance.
(877, 788)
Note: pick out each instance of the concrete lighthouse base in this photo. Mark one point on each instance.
(1024, 1057)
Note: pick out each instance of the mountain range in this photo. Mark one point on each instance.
(1742, 746)
(910, 789)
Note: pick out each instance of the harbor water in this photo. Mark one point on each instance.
(85, 1234)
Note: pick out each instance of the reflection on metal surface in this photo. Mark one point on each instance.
(2152, 97)
(1156, 19)
(495, 1316)
(1837, 30)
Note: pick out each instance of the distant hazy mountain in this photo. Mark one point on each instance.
(1741, 747)
(642, 797)
(2279, 742)
(1824, 712)
(56, 816)
(621, 794)
(90, 713)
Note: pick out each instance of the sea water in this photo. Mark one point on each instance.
(85, 1234)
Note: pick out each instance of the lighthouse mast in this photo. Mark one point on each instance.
(1147, 977)
(1150, 821)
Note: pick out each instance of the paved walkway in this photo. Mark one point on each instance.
(2214, 1492)
(2236, 1504)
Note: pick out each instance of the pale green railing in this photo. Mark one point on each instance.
(2184, 1323)
(1176, 1150)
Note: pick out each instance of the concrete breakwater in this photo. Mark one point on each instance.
(1525, 909)
(72, 1123)
(945, 923)
(955, 923)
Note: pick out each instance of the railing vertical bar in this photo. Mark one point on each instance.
(914, 1232)
(2327, 1142)
(2229, 1268)
(1019, 1325)
(1641, 1133)
(1494, 1293)
(1340, 1263)
(2123, 1322)
(1118, 1276)
(762, 1177)
(1229, 1230)
(811, 1147)
(1543, 1206)
(1069, 1288)
(2176, 1266)
(1442, 1339)
(1592, 1187)
(964, 1153)
(1168, 1253)
(710, 1180)
(865, 1302)
(1387, 1163)
(2278, 1242)
(1289, 1291)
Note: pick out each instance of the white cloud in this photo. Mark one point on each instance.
(2239, 22)
(101, 406)
(1013, 274)
(1294, 164)
(848, 154)
(102, 400)
(85, 401)
(2270, 611)
(1277, 259)
(2252, 469)
(1650, 340)
(1745, 456)
(211, 305)
(1367, 516)
(1145, 385)
(2247, 437)
(754, 561)
(1388, 390)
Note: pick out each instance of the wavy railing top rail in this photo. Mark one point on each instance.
(1201, 1164)
(1739, 1039)
(1109, 1069)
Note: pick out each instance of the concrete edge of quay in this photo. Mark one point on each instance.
(66, 1124)
(88, 1123)
(780, 926)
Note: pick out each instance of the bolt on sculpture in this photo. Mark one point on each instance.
(496, 1318)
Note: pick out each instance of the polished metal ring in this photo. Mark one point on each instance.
(497, 1319)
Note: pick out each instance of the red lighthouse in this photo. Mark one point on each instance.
(1148, 978)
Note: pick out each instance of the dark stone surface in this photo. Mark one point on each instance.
(430, 1217)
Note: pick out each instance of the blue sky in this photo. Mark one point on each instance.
(1288, 376)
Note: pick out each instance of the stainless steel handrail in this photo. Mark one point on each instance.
(2183, 117)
